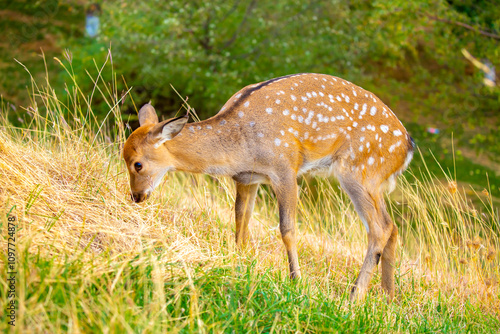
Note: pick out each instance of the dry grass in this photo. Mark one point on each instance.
(65, 178)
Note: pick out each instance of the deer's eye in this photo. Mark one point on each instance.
(138, 166)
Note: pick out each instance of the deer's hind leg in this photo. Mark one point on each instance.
(371, 209)
(389, 258)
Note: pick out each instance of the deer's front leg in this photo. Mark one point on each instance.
(286, 193)
(243, 207)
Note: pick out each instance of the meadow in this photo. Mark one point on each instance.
(89, 260)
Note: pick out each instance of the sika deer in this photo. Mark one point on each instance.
(273, 131)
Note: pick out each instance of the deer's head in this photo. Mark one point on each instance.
(146, 157)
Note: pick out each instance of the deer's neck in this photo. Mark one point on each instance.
(206, 147)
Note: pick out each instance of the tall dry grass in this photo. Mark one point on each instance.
(63, 177)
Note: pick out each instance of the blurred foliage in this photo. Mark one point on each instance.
(28, 28)
(209, 50)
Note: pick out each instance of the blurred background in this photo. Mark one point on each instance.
(432, 61)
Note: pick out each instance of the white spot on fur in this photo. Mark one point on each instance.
(278, 101)
(252, 124)
(371, 160)
(397, 133)
(269, 110)
(384, 128)
(260, 134)
(277, 141)
(363, 110)
(286, 112)
(240, 114)
(293, 97)
(246, 104)
(373, 111)
(304, 98)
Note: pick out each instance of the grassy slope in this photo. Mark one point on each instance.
(89, 260)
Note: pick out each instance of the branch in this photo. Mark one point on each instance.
(464, 25)
(205, 40)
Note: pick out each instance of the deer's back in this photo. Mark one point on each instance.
(317, 122)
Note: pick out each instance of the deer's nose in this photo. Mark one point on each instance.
(138, 197)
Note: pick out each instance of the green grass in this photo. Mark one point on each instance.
(71, 295)
(454, 164)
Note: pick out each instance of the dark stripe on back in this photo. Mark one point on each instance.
(247, 92)
(268, 82)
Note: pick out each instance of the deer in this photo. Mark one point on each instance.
(274, 131)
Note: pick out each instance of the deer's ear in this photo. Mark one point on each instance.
(168, 129)
(147, 115)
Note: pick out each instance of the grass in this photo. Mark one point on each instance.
(466, 170)
(89, 260)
